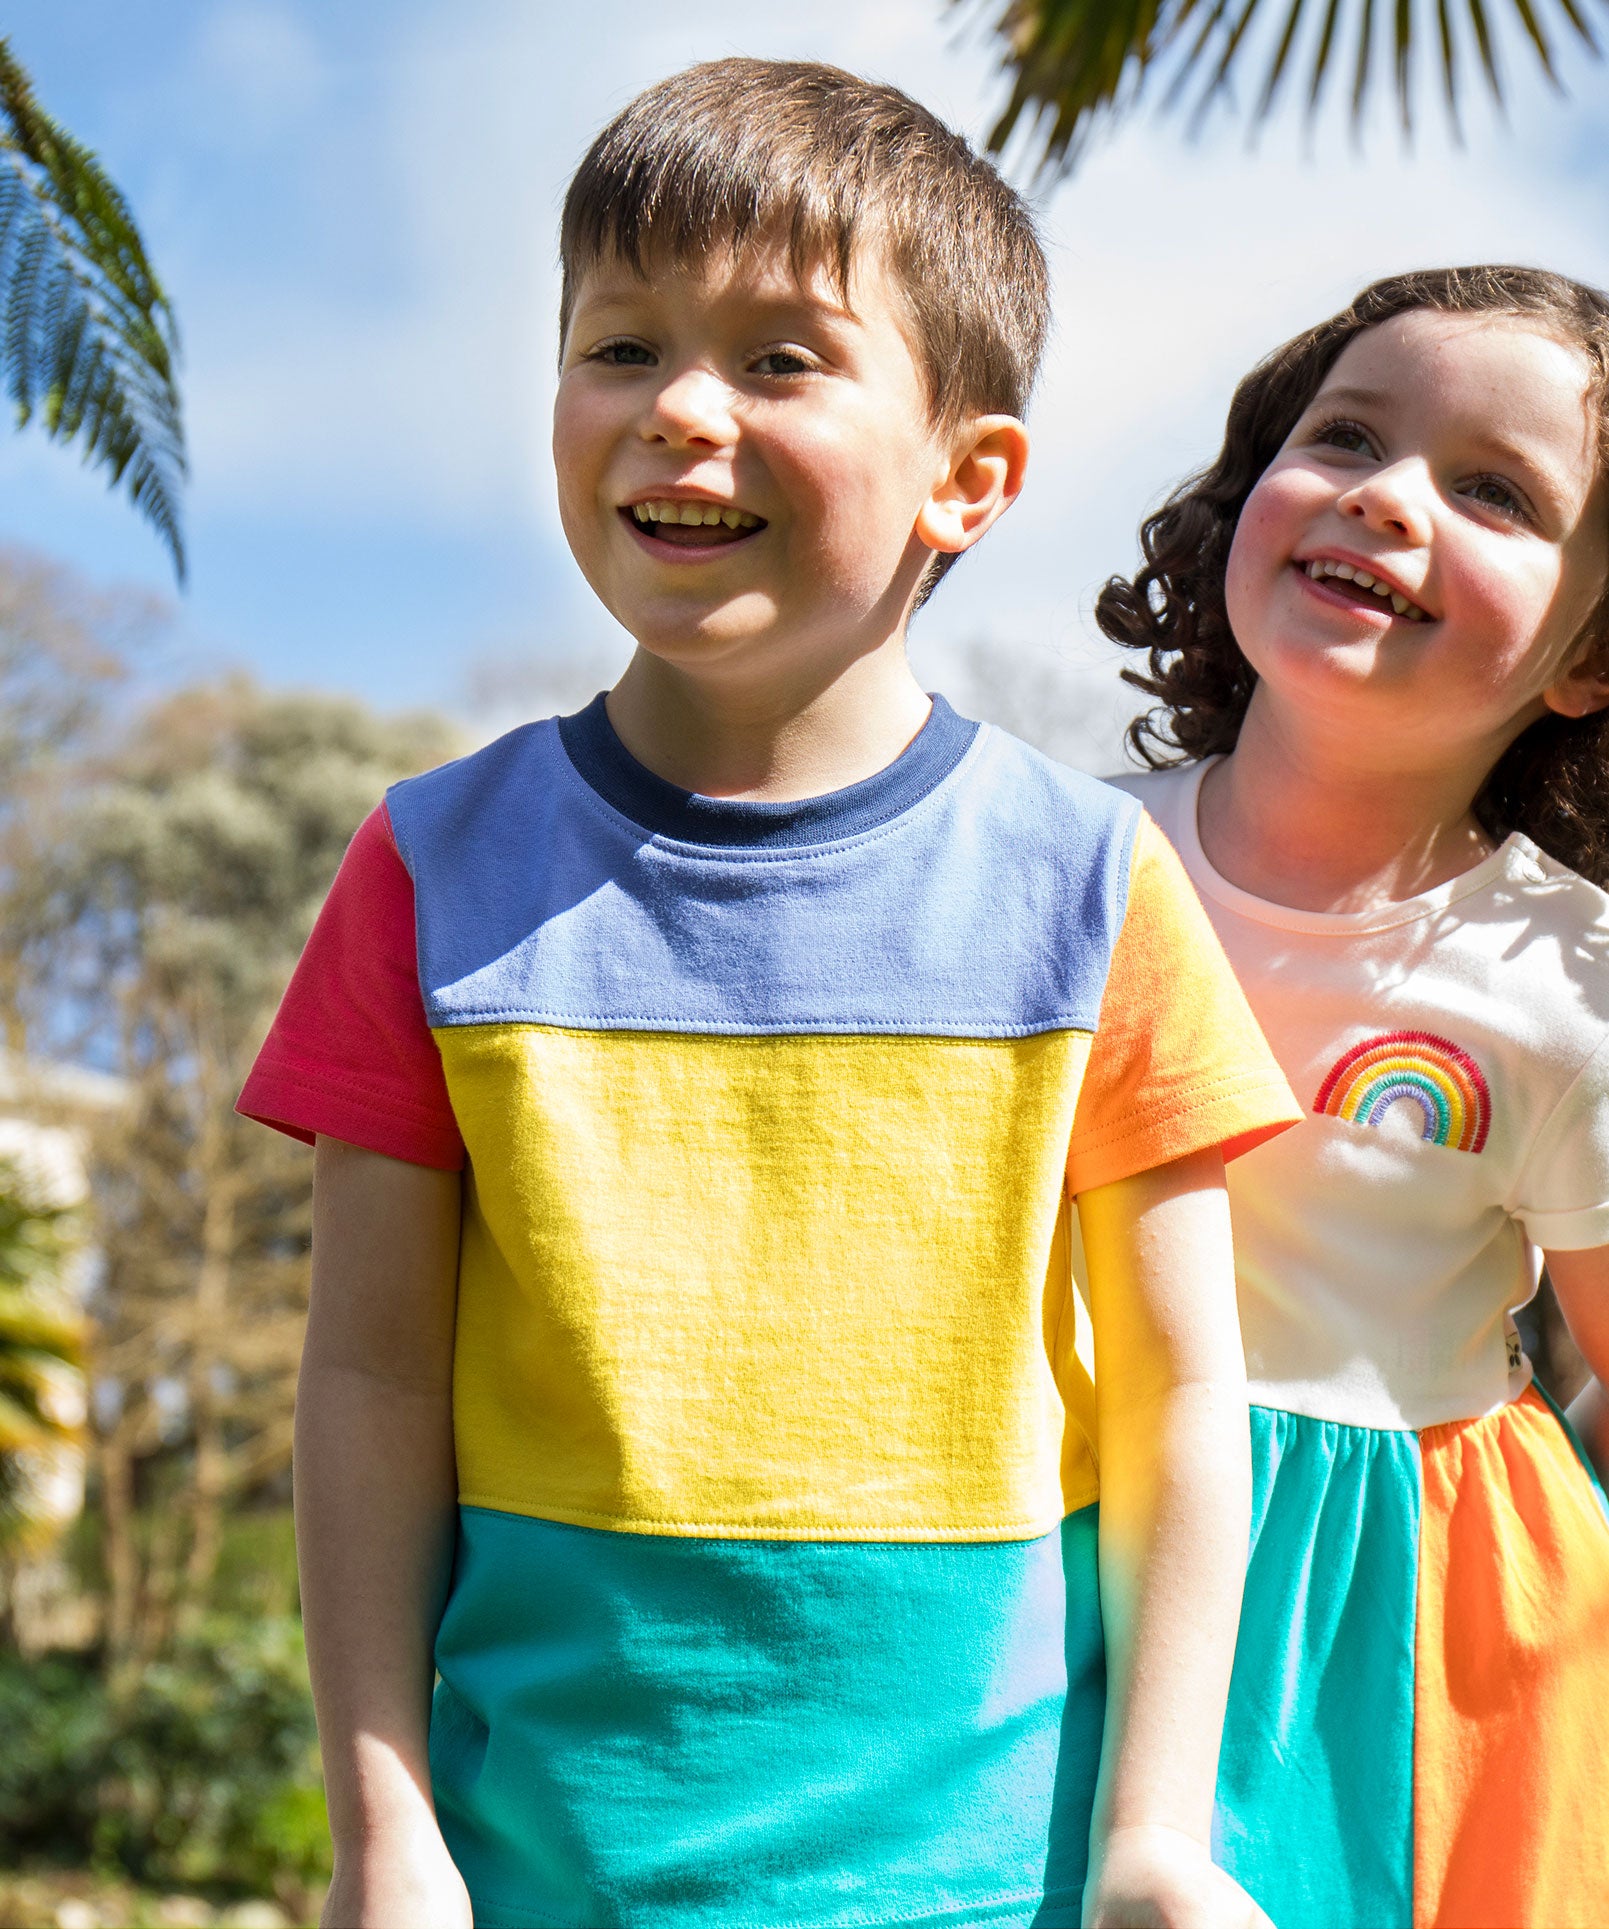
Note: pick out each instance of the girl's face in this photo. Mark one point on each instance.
(1417, 563)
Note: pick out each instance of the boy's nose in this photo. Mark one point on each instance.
(694, 407)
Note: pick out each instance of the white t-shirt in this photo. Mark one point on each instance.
(1453, 1053)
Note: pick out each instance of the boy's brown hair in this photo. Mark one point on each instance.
(1552, 783)
(752, 150)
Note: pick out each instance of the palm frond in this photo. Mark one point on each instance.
(1360, 76)
(90, 346)
(1321, 59)
(1073, 64)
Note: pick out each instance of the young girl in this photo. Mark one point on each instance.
(1378, 629)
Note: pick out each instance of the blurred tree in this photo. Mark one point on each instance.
(89, 341)
(64, 649)
(1076, 65)
(161, 921)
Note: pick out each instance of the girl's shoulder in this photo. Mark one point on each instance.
(1560, 896)
(1548, 926)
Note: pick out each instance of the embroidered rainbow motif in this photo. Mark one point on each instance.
(1445, 1083)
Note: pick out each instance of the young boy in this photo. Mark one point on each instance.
(701, 1085)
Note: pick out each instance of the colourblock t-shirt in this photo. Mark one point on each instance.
(775, 1592)
(1451, 1053)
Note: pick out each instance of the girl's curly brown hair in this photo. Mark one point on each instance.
(1553, 781)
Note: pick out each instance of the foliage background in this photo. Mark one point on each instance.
(162, 858)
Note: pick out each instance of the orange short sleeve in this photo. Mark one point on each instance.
(1178, 1063)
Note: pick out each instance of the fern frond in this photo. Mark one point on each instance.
(90, 344)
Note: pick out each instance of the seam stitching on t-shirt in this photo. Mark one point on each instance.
(1199, 1095)
(829, 1028)
(871, 1531)
(322, 1079)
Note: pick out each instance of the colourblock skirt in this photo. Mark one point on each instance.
(1418, 1726)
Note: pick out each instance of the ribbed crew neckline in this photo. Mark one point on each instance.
(666, 810)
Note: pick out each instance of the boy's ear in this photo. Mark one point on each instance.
(1583, 689)
(988, 463)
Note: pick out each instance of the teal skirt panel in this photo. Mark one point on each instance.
(1315, 1782)
(653, 1731)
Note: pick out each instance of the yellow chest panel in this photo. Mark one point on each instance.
(769, 1287)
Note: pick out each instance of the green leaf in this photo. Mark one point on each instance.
(90, 344)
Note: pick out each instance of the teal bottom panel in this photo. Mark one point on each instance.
(1315, 1786)
(644, 1730)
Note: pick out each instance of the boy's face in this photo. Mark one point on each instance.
(794, 428)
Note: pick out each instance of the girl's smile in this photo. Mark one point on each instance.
(1424, 554)
(1346, 582)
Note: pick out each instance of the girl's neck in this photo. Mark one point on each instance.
(1319, 824)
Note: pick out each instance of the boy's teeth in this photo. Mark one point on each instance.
(693, 514)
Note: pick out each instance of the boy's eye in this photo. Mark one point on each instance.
(623, 354)
(782, 361)
(1494, 493)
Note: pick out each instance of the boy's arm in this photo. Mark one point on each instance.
(1174, 1521)
(375, 1519)
(1581, 1283)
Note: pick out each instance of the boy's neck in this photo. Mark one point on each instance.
(1320, 822)
(771, 740)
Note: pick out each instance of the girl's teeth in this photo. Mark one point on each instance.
(1361, 579)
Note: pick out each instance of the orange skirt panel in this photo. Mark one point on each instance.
(1511, 1691)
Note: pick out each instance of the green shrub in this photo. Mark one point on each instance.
(202, 1774)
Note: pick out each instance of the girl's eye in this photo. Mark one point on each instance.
(1348, 436)
(1494, 493)
(782, 361)
(622, 355)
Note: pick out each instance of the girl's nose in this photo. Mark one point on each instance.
(1394, 500)
(693, 409)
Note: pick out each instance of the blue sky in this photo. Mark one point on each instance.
(353, 206)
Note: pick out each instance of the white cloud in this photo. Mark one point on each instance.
(257, 69)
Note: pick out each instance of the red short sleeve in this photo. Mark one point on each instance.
(1178, 1063)
(349, 1053)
